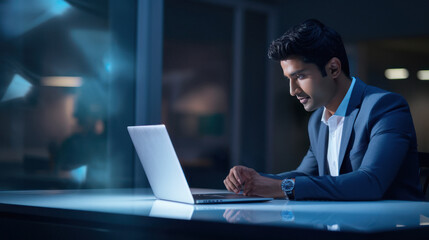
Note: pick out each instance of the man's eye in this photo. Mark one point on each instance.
(300, 76)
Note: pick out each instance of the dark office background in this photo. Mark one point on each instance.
(75, 73)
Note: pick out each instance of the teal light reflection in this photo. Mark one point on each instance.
(108, 66)
(20, 16)
(79, 174)
(59, 7)
(95, 47)
(19, 87)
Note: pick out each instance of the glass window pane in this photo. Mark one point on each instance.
(254, 91)
(197, 87)
(55, 75)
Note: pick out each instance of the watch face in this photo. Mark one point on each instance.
(289, 185)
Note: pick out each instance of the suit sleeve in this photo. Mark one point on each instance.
(390, 130)
(308, 167)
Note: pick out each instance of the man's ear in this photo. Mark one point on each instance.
(333, 67)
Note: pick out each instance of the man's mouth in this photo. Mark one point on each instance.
(303, 100)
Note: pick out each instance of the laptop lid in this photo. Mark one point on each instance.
(160, 163)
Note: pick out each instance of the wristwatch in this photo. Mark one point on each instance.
(288, 185)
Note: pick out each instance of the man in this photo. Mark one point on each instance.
(362, 139)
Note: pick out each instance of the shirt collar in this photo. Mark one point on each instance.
(341, 110)
(325, 116)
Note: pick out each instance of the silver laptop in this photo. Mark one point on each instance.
(163, 170)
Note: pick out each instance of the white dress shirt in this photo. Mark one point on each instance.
(335, 125)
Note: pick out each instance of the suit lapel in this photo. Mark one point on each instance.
(347, 132)
(322, 149)
(349, 120)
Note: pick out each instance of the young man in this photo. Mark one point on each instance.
(362, 139)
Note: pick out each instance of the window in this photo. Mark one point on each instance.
(58, 93)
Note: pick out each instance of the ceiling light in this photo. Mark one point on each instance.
(62, 81)
(396, 73)
(423, 74)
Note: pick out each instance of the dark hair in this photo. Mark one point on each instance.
(314, 42)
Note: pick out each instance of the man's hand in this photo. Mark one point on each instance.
(236, 178)
(252, 184)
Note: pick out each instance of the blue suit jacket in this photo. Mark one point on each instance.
(378, 152)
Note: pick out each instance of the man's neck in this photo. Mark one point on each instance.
(343, 85)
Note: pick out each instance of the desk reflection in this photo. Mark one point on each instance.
(338, 216)
(175, 210)
(331, 216)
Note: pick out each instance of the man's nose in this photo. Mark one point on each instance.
(292, 88)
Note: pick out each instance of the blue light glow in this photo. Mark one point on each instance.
(16, 20)
(19, 87)
(95, 47)
(107, 61)
(79, 174)
(59, 7)
(108, 66)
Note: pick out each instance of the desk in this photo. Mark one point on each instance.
(135, 213)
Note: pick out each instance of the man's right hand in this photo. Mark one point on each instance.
(237, 177)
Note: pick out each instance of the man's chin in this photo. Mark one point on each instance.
(309, 107)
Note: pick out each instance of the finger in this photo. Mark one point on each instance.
(237, 175)
(234, 182)
(225, 182)
(228, 214)
(235, 189)
(230, 186)
(248, 189)
(236, 216)
(245, 190)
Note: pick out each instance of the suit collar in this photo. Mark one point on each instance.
(356, 96)
(351, 114)
(342, 108)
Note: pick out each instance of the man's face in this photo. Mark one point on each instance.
(307, 84)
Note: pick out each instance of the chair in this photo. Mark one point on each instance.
(424, 169)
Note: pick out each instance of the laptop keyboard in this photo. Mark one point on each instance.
(219, 196)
